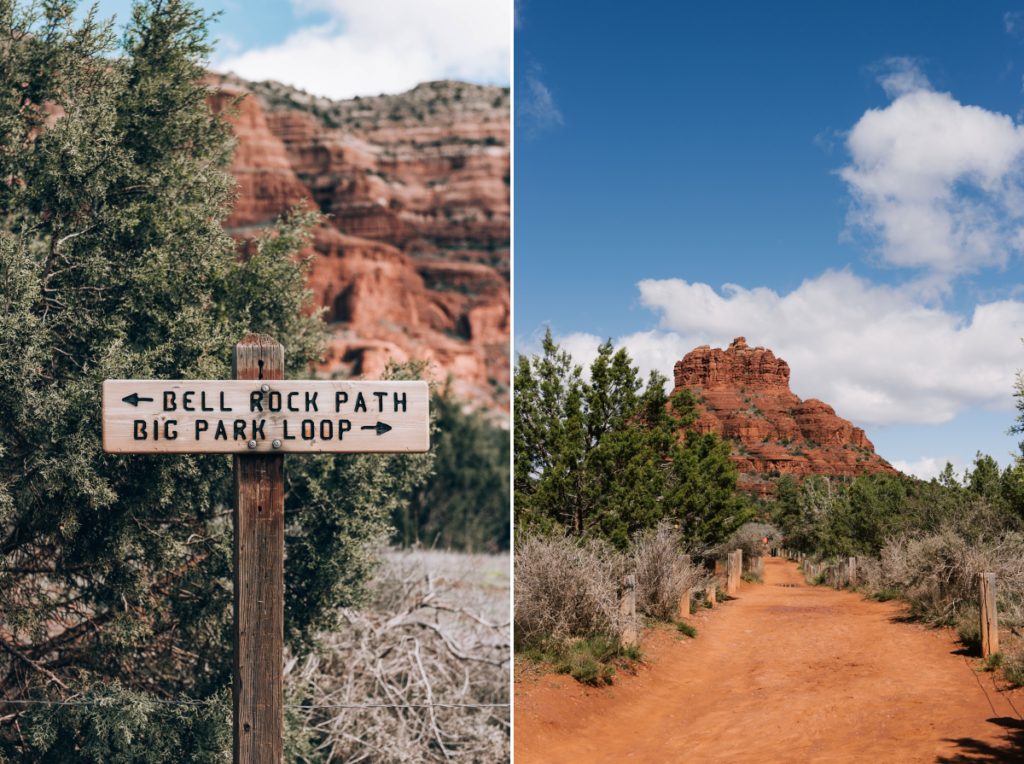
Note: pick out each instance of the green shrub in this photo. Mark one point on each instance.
(1013, 670)
(687, 629)
(464, 503)
(885, 594)
(969, 629)
(993, 662)
(592, 660)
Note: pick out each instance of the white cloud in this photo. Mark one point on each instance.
(928, 467)
(535, 106)
(937, 182)
(874, 352)
(902, 75)
(386, 46)
(1013, 23)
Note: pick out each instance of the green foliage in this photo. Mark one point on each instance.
(968, 628)
(113, 725)
(113, 264)
(837, 517)
(1013, 670)
(601, 457)
(686, 629)
(992, 662)
(464, 504)
(593, 660)
(885, 594)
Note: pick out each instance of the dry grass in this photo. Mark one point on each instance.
(431, 654)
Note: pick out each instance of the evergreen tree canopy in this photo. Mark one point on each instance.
(840, 517)
(464, 504)
(602, 456)
(113, 264)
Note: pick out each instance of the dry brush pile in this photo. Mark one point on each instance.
(419, 675)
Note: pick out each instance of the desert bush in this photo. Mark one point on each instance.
(869, 574)
(938, 574)
(748, 537)
(419, 674)
(661, 574)
(968, 628)
(564, 590)
(1013, 669)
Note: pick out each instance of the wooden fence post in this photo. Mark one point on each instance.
(732, 581)
(989, 617)
(258, 705)
(686, 598)
(685, 603)
(627, 609)
(851, 572)
(711, 593)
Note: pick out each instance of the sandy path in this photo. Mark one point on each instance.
(785, 673)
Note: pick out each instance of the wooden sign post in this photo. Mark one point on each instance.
(259, 417)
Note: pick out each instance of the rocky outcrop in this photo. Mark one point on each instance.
(412, 261)
(743, 395)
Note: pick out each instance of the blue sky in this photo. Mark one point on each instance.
(854, 170)
(343, 48)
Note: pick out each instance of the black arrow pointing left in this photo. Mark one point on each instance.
(134, 399)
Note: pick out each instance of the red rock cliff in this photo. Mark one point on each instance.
(743, 395)
(413, 261)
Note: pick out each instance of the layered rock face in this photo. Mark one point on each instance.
(743, 395)
(412, 261)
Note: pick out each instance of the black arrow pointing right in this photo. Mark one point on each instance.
(380, 427)
(134, 399)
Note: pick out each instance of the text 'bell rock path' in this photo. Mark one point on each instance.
(787, 672)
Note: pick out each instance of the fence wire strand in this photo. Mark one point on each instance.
(194, 702)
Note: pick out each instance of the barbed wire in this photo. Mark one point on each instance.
(196, 701)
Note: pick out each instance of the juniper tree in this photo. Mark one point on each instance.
(464, 504)
(115, 574)
(602, 456)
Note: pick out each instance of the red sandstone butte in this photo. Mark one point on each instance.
(743, 395)
(412, 261)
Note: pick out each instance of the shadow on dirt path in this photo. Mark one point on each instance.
(784, 673)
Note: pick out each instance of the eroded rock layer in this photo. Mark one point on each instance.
(413, 259)
(743, 395)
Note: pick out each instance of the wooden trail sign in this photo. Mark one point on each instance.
(145, 416)
(259, 417)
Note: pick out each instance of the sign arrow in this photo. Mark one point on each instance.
(380, 427)
(134, 399)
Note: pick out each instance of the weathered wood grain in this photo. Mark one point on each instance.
(259, 580)
(989, 616)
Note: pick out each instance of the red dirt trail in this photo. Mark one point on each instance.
(784, 673)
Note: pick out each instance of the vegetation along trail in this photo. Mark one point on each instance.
(785, 672)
